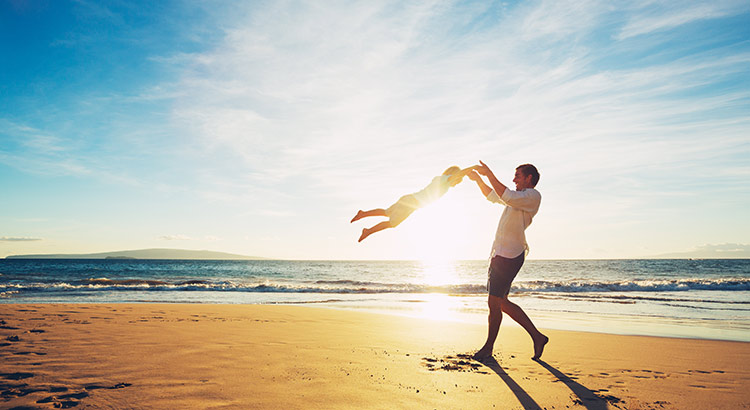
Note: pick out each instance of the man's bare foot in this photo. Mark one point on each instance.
(365, 233)
(539, 346)
(357, 217)
(482, 354)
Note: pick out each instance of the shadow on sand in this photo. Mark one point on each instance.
(526, 401)
(586, 397)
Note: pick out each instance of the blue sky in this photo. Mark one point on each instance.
(261, 127)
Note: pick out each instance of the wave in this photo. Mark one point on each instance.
(139, 282)
(650, 285)
(576, 287)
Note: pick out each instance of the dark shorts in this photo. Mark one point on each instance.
(501, 274)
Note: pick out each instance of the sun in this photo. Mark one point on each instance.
(438, 233)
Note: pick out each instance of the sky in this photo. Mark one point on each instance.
(261, 127)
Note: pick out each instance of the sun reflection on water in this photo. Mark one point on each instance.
(437, 272)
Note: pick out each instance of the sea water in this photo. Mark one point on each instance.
(676, 298)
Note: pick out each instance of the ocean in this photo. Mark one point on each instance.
(675, 298)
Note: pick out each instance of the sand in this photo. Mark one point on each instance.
(194, 356)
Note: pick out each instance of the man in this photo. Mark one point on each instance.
(509, 249)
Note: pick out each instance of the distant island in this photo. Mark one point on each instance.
(158, 253)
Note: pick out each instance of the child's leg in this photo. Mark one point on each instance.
(364, 214)
(369, 231)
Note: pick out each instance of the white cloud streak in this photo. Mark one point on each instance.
(175, 238)
(18, 239)
(660, 16)
(315, 108)
(366, 98)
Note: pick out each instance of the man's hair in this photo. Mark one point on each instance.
(452, 170)
(528, 169)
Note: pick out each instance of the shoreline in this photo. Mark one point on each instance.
(168, 355)
(621, 325)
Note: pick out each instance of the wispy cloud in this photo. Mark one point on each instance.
(726, 247)
(346, 98)
(175, 238)
(304, 111)
(18, 239)
(660, 16)
(180, 237)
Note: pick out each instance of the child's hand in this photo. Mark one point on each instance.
(455, 179)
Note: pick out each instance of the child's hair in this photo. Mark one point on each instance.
(452, 170)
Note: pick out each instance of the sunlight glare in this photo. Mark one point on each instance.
(440, 231)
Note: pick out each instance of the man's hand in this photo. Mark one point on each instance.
(474, 176)
(496, 185)
(483, 169)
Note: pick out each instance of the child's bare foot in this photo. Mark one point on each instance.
(365, 233)
(357, 217)
(539, 344)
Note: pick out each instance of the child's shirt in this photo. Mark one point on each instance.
(437, 188)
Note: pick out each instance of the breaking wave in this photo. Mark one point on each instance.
(364, 287)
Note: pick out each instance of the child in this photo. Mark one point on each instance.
(407, 204)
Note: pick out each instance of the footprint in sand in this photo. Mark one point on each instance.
(16, 376)
(460, 363)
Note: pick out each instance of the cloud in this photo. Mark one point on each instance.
(657, 17)
(725, 248)
(718, 251)
(18, 239)
(175, 238)
(365, 99)
(37, 151)
(300, 108)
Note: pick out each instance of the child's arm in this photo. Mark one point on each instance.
(467, 171)
(459, 176)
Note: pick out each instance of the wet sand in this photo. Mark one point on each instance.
(187, 356)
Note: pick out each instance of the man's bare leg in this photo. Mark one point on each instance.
(377, 228)
(493, 327)
(516, 313)
(364, 214)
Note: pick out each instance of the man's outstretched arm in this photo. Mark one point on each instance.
(482, 186)
(496, 184)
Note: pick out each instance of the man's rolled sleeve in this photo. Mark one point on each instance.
(494, 197)
(526, 200)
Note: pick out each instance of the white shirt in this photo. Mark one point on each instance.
(437, 188)
(520, 208)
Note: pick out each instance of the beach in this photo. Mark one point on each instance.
(202, 356)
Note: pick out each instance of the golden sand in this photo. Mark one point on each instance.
(195, 356)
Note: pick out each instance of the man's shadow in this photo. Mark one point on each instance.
(586, 397)
(526, 401)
